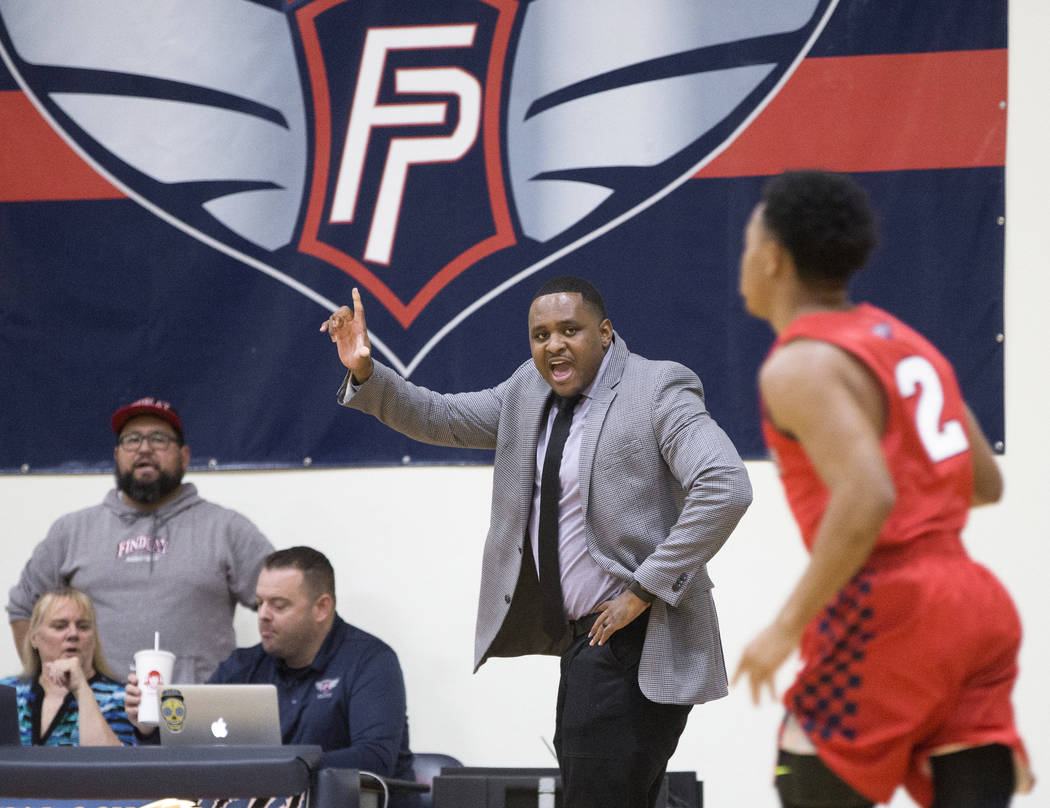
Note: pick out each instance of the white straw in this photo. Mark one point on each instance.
(156, 640)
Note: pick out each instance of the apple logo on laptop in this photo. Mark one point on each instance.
(218, 728)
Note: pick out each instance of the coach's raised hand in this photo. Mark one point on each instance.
(350, 334)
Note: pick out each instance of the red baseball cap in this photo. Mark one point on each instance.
(146, 406)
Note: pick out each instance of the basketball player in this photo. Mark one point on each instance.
(909, 648)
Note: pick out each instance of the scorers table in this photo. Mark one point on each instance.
(93, 777)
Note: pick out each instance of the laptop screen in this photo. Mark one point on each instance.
(9, 735)
(228, 715)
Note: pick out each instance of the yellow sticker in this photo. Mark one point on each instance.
(172, 709)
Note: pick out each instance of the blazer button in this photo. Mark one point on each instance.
(680, 582)
(507, 598)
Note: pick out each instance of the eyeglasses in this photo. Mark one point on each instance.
(157, 440)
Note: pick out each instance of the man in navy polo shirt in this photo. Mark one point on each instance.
(339, 687)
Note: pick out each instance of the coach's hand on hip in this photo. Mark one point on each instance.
(615, 614)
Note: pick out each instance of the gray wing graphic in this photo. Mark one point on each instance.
(244, 120)
(633, 123)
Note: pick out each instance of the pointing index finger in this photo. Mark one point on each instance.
(359, 307)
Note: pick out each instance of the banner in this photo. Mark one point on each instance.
(189, 187)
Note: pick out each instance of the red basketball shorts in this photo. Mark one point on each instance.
(917, 652)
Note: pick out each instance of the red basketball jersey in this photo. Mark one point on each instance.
(925, 443)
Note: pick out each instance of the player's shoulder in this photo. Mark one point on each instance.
(809, 370)
(802, 358)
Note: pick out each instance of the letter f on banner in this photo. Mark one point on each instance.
(367, 113)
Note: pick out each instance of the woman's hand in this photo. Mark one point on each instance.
(132, 700)
(66, 672)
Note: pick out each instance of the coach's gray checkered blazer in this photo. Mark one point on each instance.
(662, 488)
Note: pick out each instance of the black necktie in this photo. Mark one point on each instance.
(550, 494)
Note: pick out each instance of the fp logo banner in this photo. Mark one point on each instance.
(432, 152)
(407, 189)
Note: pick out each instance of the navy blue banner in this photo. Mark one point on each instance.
(187, 190)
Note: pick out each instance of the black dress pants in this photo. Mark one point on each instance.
(612, 742)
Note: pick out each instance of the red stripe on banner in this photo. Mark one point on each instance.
(879, 113)
(36, 164)
(845, 113)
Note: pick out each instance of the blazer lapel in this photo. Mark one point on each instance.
(533, 421)
(601, 399)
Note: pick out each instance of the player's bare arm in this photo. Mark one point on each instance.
(832, 405)
(987, 480)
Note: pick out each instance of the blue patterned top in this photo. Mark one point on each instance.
(64, 730)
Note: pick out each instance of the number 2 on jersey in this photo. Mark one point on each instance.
(915, 373)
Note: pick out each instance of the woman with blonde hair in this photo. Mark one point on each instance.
(67, 695)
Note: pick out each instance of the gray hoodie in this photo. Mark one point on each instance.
(179, 570)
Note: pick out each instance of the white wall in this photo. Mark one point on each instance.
(406, 542)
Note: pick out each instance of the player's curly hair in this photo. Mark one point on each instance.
(824, 220)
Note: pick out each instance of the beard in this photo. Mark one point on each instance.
(148, 493)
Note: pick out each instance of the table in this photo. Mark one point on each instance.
(99, 776)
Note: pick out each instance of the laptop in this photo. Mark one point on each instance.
(9, 735)
(219, 715)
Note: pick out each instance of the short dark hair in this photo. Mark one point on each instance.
(824, 220)
(572, 284)
(316, 568)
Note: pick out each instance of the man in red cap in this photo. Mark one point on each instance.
(153, 555)
(148, 473)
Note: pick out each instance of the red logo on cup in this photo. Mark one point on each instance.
(153, 678)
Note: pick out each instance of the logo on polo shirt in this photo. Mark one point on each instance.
(326, 688)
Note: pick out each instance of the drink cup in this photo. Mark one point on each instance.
(153, 668)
